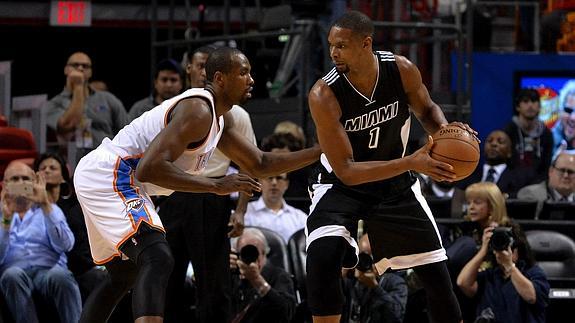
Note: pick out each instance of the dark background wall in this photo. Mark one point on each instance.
(120, 57)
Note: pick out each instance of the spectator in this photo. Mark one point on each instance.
(198, 225)
(564, 130)
(531, 141)
(272, 212)
(81, 114)
(498, 168)
(293, 129)
(33, 240)
(486, 207)
(262, 292)
(60, 191)
(512, 288)
(287, 141)
(560, 186)
(168, 82)
(370, 298)
(98, 85)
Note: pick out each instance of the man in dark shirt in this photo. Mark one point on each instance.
(262, 292)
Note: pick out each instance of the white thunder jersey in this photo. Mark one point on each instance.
(113, 201)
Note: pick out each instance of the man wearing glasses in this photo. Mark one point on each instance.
(81, 114)
(564, 129)
(560, 186)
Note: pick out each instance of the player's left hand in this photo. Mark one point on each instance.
(236, 224)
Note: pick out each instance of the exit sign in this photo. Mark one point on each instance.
(70, 13)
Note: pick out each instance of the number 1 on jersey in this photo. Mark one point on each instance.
(373, 137)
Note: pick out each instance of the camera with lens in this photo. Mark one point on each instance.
(249, 253)
(501, 239)
(365, 262)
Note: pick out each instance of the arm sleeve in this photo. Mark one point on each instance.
(280, 301)
(389, 299)
(59, 233)
(537, 277)
(121, 117)
(244, 124)
(4, 241)
(54, 110)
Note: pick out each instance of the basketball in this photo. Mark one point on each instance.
(457, 147)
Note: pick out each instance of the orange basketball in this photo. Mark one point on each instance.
(457, 147)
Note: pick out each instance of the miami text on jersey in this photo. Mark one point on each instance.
(372, 118)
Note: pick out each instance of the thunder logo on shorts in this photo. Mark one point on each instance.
(124, 186)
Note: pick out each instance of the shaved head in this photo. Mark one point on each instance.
(18, 168)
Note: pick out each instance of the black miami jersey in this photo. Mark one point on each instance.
(377, 126)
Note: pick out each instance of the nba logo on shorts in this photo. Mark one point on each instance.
(134, 204)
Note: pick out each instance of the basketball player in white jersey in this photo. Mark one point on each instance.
(161, 151)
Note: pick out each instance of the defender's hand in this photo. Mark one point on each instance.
(236, 183)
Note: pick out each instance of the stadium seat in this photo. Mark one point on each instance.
(521, 209)
(297, 255)
(555, 254)
(16, 143)
(278, 255)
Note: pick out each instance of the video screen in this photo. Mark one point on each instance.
(556, 89)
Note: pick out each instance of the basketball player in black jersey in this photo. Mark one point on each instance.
(361, 110)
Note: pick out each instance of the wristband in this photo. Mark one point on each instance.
(264, 289)
(510, 269)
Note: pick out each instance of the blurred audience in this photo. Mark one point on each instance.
(272, 212)
(33, 240)
(510, 288)
(498, 168)
(286, 142)
(293, 129)
(168, 82)
(262, 292)
(60, 191)
(486, 206)
(560, 186)
(98, 85)
(564, 130)
(369, 297)
(531, 140)
(82, 114)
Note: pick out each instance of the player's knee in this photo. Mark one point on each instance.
(323, 265)
(158, 259)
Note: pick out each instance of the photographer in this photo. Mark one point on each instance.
(261, 291)
(370, 298)
(512, 288)
(34, 237)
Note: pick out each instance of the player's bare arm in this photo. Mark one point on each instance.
(262, 164)
(190, 123)
(427, 112)
(335, 144)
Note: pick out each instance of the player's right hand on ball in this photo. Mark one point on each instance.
(424, 164)
(237, 183)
